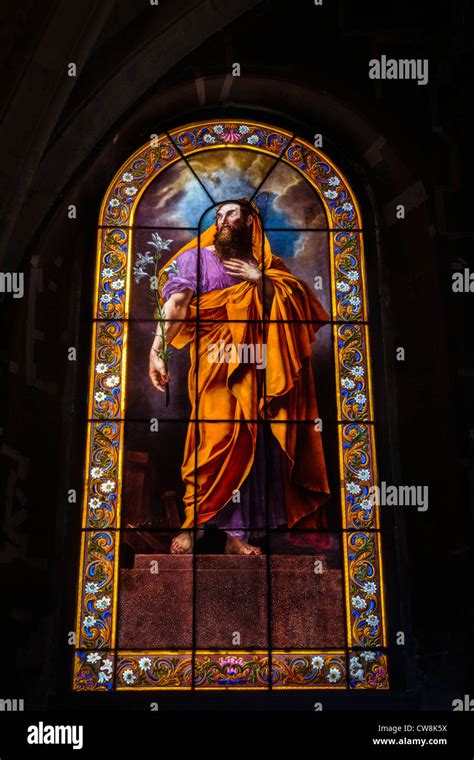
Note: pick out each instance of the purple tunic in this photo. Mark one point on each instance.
(257, 510)
(262, 504)
(213, 275)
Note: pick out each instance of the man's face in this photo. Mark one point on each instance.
(233, 236)
(230, 215)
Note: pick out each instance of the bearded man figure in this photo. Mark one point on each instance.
(230, 288)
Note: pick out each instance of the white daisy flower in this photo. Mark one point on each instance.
(353, 488)
(252, 139)
(89, 620)
(243, 129)
(335, 181)
(353, 275)
(317, 662)
(97, 472)
(112, 381)
(372, 620)
(127, 177)
(358, 371)
(132, 190)
(92, 588)
(100, 396)
(370, 587)
(363, 474)
(107, 272)
(101, 368)
(129, 676)
(144, 663)
(103, 603)
(107, 487)
(106, 298)
(360, 398)
(330, 194)
(342, 286)
(347, 383)
(218, 129)
(347, 206)
(94, 507)
(209, 138)
(359, 603)
(117, 284)
(334, 675)
(114, 202)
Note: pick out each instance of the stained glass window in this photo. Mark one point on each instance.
(265, 453)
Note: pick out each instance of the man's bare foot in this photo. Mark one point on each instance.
(236, 546)
(182, 543)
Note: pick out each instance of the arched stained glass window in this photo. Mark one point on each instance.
(230, 535)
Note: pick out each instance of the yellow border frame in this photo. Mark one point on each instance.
(331, 231)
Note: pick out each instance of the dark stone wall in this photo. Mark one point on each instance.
(141, 70)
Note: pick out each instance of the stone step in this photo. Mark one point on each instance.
(301, 562)
(231, 606)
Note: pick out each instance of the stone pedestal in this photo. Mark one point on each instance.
(231, 604)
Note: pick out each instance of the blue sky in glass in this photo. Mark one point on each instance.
(178, 198)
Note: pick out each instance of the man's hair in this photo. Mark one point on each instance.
(245, 204)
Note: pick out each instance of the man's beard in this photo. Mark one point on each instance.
(234, 242)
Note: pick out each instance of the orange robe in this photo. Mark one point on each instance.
(219, 451)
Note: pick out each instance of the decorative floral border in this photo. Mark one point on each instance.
(231, 669)
(309, 670)
(354, 397)
(112, 270)
(106, 372)
(364, 587)
(102, 492)
(133, 177)
(368, 669)
(94, 671)
(230, 135)
(358, 475)
(96, 616)
(349, 301)
(150, 670)
(99, 562)
(341, 207)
